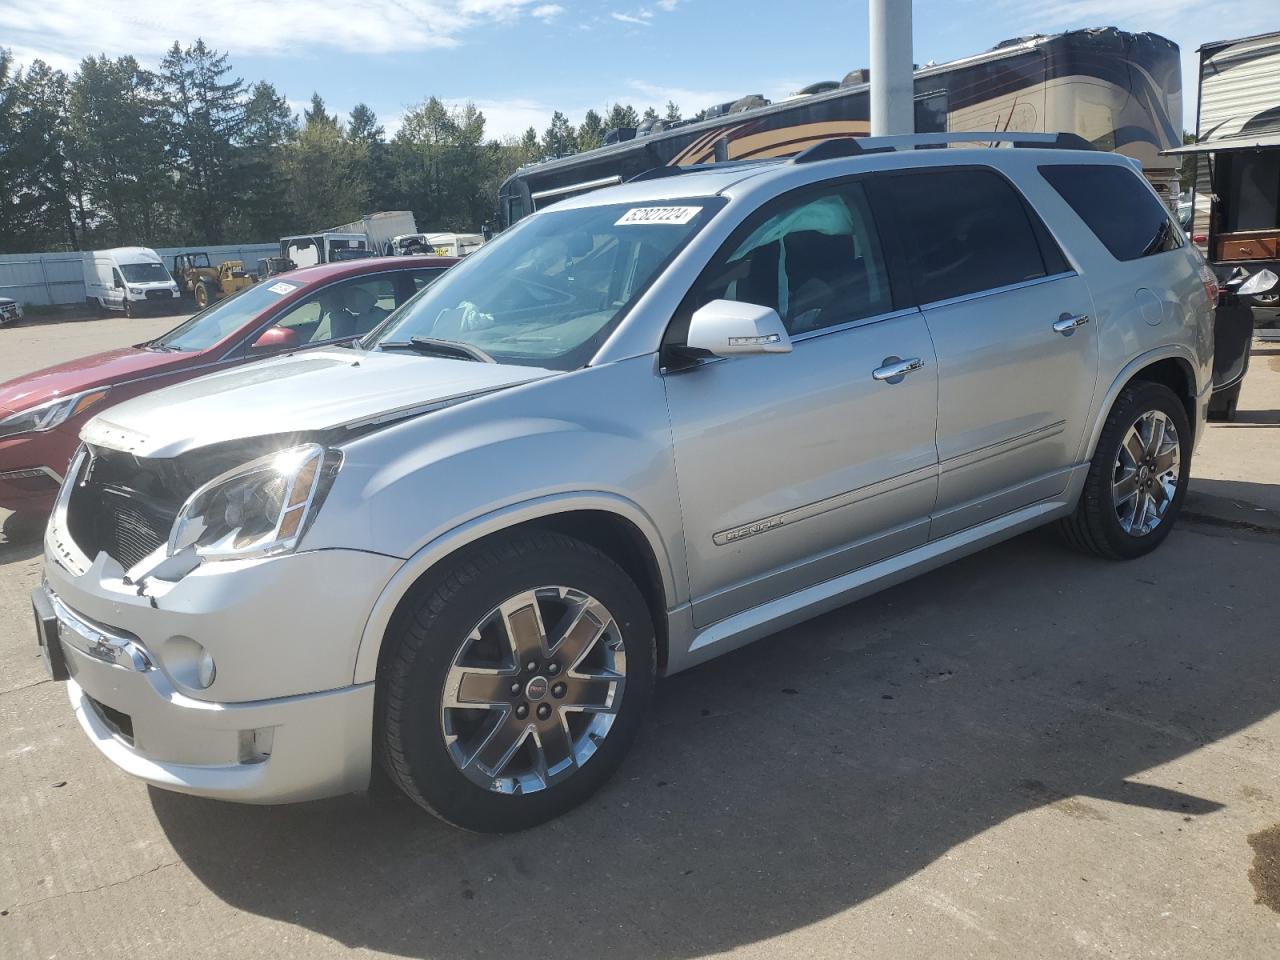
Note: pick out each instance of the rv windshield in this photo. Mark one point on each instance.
(549, 292)
(144, 272)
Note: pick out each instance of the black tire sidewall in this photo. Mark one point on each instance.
(436, 780)
(1133, 403)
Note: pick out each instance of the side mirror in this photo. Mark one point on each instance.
(728, 328)
(275, 338)
(117, 283)
(1260, 282)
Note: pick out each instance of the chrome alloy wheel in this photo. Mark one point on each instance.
(1146, 473)
(534, 690)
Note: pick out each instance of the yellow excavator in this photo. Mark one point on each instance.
(199, 279)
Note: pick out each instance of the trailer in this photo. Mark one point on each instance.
(381, 228)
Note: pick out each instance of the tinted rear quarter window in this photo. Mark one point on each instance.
(1117, 206)
(965, 231)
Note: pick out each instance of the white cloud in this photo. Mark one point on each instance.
(63, 31)
(668, 5)
(639, 20)
(548, 11)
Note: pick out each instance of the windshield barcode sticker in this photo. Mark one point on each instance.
(282, 288)
(658, 215)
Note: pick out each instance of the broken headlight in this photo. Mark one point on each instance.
(258, 509)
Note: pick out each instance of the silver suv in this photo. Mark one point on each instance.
(644, 427)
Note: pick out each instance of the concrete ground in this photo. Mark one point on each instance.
(1027, 754)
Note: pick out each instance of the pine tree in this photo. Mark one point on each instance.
(206, 113)
(591, 132)
(673, 112)
(621, 116)
(317, 113)
(363, 128)
(560, 139)
(650, 115)
(117, 138)
(268, 127)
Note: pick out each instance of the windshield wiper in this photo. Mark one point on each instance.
(453, 349)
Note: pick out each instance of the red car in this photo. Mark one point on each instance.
(41, 413)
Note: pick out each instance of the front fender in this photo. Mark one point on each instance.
(506, 518)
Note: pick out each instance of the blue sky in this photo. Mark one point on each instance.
(520, 59)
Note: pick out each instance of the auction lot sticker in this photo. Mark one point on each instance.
(658, 215)
(282, 288)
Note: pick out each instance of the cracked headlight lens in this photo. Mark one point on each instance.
(49, 415)
(257, 509)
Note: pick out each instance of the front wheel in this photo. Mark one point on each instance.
(514, 681)
(1137, 478)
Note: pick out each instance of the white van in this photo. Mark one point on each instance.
(131, 279)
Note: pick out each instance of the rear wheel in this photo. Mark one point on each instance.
(513, 686)
(1138, 477)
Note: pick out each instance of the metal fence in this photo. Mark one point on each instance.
(53, 279)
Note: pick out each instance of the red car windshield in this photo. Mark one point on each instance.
(224, 317)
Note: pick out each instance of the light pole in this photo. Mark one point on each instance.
(892, 83)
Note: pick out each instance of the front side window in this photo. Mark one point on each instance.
(340, 311)
(549, 292)
(963, 231)
(814, 257)
(144, 272)
(1118, 206)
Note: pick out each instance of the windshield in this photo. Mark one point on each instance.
(144, 272)
(548, 292)
(224, 317)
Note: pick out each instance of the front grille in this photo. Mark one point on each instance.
(9, 310)
(159, 295)
(125, 506)
(133, 531)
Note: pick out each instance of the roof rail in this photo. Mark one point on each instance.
(853, 146)
(659, 173)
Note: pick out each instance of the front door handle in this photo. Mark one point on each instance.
(1067, 323)
(895, 369)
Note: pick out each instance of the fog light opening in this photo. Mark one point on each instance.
(206, 670)
(255, 745)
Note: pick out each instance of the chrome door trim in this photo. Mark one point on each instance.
(818, 507)
(979, 294)
(1007, 445)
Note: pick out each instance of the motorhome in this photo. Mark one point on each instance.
(1120, 91)
(129, 279)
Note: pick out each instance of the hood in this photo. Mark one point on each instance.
(313, 391)
(85, 373)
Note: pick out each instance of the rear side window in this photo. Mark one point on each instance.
(1117, 206)
(965, 231)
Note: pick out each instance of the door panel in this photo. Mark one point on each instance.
(1013, 397)
(795, 468)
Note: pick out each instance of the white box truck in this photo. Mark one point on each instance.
(130, 279)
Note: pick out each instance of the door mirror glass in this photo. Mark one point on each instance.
(730, 328)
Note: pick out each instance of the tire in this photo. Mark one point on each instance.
(128, 309)
(1103, 523)
(432, 750)
(202, 297)
(1222, 405)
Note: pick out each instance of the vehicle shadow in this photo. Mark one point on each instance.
(807, 773)
(20, 535)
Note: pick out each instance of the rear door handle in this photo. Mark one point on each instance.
(895, 369)
(1067, 323)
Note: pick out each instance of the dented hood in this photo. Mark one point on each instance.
(313, 391)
